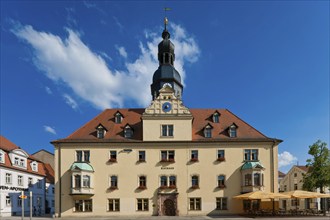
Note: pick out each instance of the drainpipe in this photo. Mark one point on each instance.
(272, 167)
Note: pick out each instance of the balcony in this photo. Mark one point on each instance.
(82, 191)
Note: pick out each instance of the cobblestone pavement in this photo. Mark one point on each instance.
(175, 218)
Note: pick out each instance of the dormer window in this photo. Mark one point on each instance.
(128, 132)
(208, 131)
(118, 118)
(233, 130)
(215, 117)
(34, 166)
(2, 156)
(100, 131)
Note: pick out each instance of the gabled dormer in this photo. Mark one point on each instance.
(216, 117)
(128, 131)
(208, 131)
(34, 166)
(232, 130)
(2, 156)
(100, 131)
(18, 158)
(118, 117)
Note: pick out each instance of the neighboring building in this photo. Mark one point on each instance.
(166, 159)
(281, 175)
(19, 172)
(50, 190)
(293, 180)
(45, 156)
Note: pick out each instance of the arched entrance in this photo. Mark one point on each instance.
(169, 207)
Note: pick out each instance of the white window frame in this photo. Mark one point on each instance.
(114, 201)
(20, 180)
(194, 208)
(143, 202)
(2, 156)
(9, 178)
(167, 130)
(219, 200)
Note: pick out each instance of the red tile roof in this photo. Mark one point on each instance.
(9, 146)
(281, 174)
(50, 175)
(304, 168)
(202, 117)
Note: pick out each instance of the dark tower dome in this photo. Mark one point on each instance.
(166, 73)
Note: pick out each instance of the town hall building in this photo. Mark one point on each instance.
(166, 159)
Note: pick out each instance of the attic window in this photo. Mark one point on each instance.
(2, 156)
(128, 132)
(118, 118)
(34, 166)
(208, 131)
(233, 131)
(216, 117)
(100, 131)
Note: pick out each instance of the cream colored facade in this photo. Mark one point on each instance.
(293, 180)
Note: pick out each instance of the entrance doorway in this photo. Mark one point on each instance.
(169, 207)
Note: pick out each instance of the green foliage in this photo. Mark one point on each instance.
(318, 175)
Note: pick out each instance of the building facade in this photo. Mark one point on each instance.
(20, 172)
(293, 180)
(165, 159)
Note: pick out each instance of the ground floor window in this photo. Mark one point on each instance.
(19, 202)
(295, 202)
(8, 201)
(195, 204)
(142, 204)
(113, 205)
(222, 203)
(83, 205)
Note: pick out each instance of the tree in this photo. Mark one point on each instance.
(318, 175)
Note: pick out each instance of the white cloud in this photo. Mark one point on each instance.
(285, 159)
(87, 74)
(49, 129)
(48, 90)
(70, 101)
(122, 51)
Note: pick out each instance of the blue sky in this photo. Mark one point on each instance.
(63, 62)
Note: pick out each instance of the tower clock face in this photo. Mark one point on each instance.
(167, 107)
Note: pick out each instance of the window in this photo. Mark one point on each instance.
(53, 190)
(195, 204)
(113, 205)
(113, 182)
(295, 175)
(295, 186)
(8, 178)
(84, 205)
(100, 131)
(34, 166)
(248, 179)
(221, 181)
(2, 157)
(21, 162)
(30, 181)
(295, 202)
(128, 132)
(118, 118)
(167, 156)
(142, 204)
(86, 155)
(86, 181)
(216, 117)
(172, 181)
(163, 182)
(222, 203)
(113, 156)
(233, 131)
(251, 154)
(221, 155)
(79, 155)
(142, 182)
(257, 179)
(53, 203)
(16, 161)
(8, 201)
(167, 130)
(142, 156)
(20, 180)
(39, 184)
(77, 181)
(195, 182)
(39, 201)
(19, 202)
(208, 131)
(284, 188)
(194, 155)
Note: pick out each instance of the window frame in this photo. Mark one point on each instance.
(251, 154)
(221, 181)
(20, 180)
(9, 178)
(194, 157)
(113, 205)
(142, 156)
(167, 130)
(144, 202)
(167, 156)
(193, 201)
(142, 182)
(220, 201)
(113, 156)
(195, 181)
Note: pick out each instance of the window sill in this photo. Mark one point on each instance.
(221, 159)
(113, 187)
(222, 186)
(141, 161)
(194, 160)
(194, 187)
(142, 187)
(112, 160)
(168, 161)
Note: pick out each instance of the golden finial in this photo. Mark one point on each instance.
(165, 19)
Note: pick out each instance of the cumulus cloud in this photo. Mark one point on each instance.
(86, 73)
(122, 51)
(49, 129)
(70, 101)
(48, 90)
(285, 159)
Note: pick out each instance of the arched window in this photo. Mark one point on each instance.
(128, 132)
(216, 117)
(118, 118)
(208, 131)
(233, 131)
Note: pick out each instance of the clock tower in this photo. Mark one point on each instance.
(166, 73)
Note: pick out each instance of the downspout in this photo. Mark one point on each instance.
(272, 167)
(60, 180)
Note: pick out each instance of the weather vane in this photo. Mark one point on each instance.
(165, 19)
